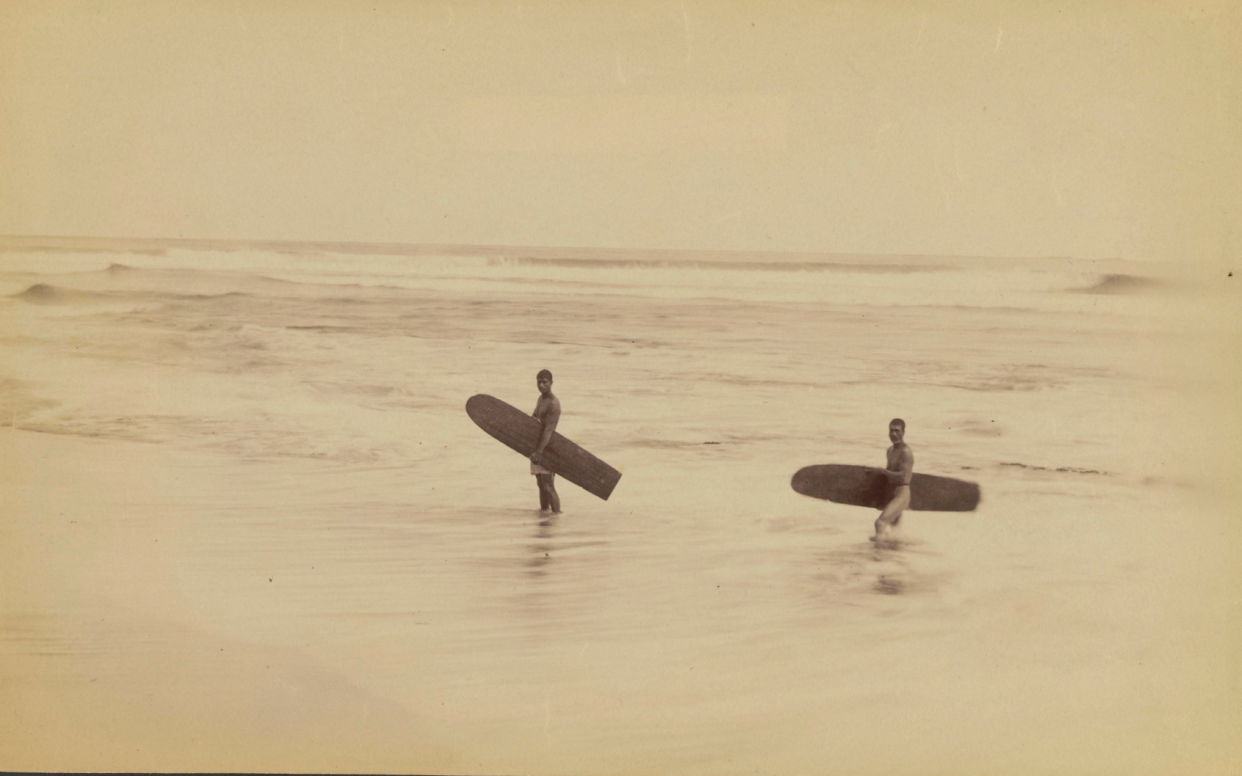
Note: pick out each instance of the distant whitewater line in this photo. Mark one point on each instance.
(44, 293)
(210, 283)
(519, 253)
(735, 264)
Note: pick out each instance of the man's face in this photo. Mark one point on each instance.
(544, 383)
(895, 433)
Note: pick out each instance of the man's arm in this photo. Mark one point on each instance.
(550, 419)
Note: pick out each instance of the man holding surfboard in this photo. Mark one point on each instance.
(548, 412)
(900, 470)
(896, 487)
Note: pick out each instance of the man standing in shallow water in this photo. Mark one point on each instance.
(548, 412)
(900, 471)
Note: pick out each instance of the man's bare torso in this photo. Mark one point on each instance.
(545, 404)
(898, 454)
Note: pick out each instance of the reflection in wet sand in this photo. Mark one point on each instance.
(541, 550)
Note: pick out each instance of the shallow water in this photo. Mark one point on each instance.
(257, 469)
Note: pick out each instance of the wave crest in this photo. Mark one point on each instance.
(42, 293)
(1125, 284)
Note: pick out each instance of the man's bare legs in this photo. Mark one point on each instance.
(888, 518)
(548, 500)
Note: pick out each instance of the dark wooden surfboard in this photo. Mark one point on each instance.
(866, 486)
(520, 432)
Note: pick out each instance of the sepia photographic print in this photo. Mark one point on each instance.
(667, 387)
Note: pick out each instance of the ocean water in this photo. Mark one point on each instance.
(250, 526)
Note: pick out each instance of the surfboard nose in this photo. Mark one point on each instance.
(475, 405)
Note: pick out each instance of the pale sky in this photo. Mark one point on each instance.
(1084, 129)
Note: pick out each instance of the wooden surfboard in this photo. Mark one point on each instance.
(520, 432)
(865, 486)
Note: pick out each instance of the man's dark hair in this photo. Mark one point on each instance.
(898, 422)
(543, 373)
